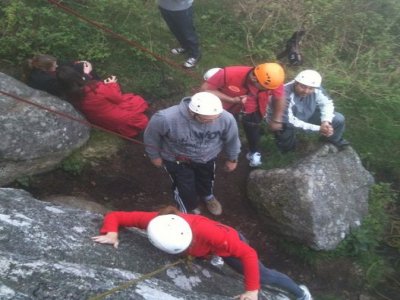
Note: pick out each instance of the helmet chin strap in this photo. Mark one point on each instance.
(192, 114)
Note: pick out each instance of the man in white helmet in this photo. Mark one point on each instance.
(309, 109)
(186, 139)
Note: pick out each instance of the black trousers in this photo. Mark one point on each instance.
(251, 126)
(191, 181)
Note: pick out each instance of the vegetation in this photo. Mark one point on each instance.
(353, 43)
(100, 146)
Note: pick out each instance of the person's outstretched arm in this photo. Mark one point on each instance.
(113, 220)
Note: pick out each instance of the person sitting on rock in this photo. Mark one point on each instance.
(103, 103)
(311, 109)
(40, 73)
(178, 233)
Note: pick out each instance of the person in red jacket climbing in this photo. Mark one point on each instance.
(103, 103)
(247, 90)
(174, 232)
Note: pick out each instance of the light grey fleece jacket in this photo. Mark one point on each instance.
(174, 132)
(175, 5)
(300, 109)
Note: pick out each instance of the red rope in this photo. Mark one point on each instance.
(122, 38)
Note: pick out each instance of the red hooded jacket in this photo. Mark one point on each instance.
(104, 105)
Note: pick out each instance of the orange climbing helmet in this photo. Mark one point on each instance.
(269, 75)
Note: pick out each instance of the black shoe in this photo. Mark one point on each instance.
(341, 144)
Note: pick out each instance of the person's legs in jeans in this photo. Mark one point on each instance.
(183, 185)
(172, 21)
(189, 34)
(338, 128)
(181, 25)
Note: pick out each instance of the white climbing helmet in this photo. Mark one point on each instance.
(210, 73)
(205, 103)
(309, 78)
(170, 233)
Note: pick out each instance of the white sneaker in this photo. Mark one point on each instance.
(177, 51)
(254, 159)
(190, 62)
(307, 294)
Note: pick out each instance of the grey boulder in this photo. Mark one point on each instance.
(35, 140)
(316, 201)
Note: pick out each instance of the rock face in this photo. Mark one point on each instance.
(316, 201)
(46, 253)
(34, 140)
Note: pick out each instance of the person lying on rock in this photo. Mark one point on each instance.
(178, 233)
(309, 109)
(40, 72)
(103, 103)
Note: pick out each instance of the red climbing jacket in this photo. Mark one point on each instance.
(104, 105)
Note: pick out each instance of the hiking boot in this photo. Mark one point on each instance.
(214, 206)
(177, 51)
(307, 294)
(254, 159)
(190, 62)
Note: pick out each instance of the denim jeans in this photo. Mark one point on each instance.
(180, 23)
(286, 138)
